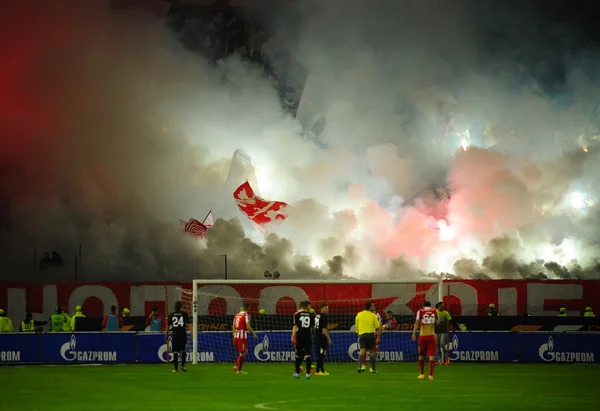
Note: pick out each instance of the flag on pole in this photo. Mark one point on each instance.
(196, 228)
(257, 209)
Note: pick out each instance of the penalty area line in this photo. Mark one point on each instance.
(271, 405)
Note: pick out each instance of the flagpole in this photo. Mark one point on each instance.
(210, 211)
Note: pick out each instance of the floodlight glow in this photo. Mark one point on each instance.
(577, 200)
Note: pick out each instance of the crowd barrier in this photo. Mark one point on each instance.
(146, 348)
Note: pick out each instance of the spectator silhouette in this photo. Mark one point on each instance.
(56, 259)
(45, 262)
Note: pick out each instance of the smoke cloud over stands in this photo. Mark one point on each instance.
(112, 131)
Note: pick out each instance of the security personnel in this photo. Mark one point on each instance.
(29, 325)
(57, 321)
(67, 324)
(492, 312)
(588, 312)
(78, 314)
(6, 325)
(562, 312)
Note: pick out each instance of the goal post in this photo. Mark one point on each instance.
(272, 303)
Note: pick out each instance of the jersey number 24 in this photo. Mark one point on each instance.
(177, 322)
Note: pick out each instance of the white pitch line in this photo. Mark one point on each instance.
(262, 406)
(265, 405)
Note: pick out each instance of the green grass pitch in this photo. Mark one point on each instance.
(211, 387)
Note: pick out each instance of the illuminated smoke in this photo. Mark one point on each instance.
(108, 138)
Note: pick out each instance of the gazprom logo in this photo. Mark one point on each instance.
(454, 344)
(262, 352)
(165, 354)
(353, 351)
(548, 354)
(69, 352)
(467, 355)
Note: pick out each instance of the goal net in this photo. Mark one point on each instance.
(213, 303)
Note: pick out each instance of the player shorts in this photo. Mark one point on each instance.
(303, 347)
(367, 341)
(241, 344)
(427, 346)
(179, 343)
(321, 346)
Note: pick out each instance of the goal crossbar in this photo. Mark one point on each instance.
(197, 283)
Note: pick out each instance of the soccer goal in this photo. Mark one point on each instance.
(213, 303)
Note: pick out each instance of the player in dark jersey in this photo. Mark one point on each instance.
(302, 336)
(178, 325)
(322, 338)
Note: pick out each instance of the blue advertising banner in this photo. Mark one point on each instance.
(277, 347)
(483, 347)
(90, 348)
(559, 348)
(124, 347)
(273, 347)
(19, 348)
(212, 347)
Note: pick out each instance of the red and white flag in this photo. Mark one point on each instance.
(196, 228)
(257, 209)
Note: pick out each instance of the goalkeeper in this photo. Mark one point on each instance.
(441, 334)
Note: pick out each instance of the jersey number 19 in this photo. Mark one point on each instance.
(305, 322)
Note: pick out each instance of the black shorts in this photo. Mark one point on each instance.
(179, 343)
(321, 347)
(321, 344)
(303, 347)
(367, 341)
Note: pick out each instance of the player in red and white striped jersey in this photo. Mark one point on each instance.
(241, 327)
(364, 360)
(426, 320)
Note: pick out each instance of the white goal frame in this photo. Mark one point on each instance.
(196, 283)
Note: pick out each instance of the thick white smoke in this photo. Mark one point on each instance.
(112, 131)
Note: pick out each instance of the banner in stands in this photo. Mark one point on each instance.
(559, 348)
(464, 297)
(68, 348)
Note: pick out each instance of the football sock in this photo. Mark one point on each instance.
(175, 359)
(298, 362)
(308, 364)
(373, 361)
(361, 359)
(183, 354)
(431, 367)
(241, 362)
(364, 360)
(421, 366)
(320, 362)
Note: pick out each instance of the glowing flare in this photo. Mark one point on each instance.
(577, 200)
(583, 144)
(447, 232)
